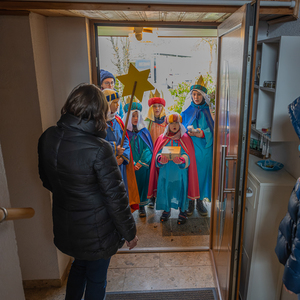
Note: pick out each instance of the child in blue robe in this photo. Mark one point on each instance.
(197, 119)
(142, 148)
(173, 181)
(114, 130)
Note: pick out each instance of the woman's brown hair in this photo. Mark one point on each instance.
(87, 102)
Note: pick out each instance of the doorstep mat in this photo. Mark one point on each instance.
(193, 226)
(190, 294)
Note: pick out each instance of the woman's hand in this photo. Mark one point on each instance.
(132, 243)
(120, 150)
(162, 159)
(137, 166)
(288, 290)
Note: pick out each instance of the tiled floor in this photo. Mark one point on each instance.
(160, 271)
(147, 271)
(134, 271)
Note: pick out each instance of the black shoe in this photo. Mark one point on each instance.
(142, 212)
(165, 216)
(190, 210)
(182, 217)
(151, 202)
(201, 208)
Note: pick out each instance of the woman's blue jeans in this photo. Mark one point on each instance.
(88, 275)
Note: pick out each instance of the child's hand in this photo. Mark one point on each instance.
(120, 160)
(163, 159)
(137, 166)
(200, 133)
(179, 160)
(120, 150)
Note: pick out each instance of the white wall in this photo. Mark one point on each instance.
(11, 287)
(41, 60)
(20, 128)
(69, 56)
(43, 69)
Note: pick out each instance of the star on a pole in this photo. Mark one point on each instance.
(142, 83)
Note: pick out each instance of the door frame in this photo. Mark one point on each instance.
(237, 241)
(93, 67)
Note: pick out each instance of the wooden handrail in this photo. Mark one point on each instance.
(7, 214)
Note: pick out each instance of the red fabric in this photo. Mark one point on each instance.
(156, 100)
(186, 143)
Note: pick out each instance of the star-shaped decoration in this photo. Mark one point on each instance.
(142, 85)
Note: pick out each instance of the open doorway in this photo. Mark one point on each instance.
(176, 58)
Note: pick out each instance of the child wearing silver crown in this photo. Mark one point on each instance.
(142, 148)
(173, 178)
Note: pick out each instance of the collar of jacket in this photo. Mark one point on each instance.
(72, 122)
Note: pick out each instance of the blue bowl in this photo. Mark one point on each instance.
(270, 165)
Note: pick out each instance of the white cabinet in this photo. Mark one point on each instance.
(266, 205)
(279, 63)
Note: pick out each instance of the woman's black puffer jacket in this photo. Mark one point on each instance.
(91, 213)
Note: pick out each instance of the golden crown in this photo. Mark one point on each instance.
(156, 94)
(134, 99)
(201, 81)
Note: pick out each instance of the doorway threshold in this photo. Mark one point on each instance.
(164, 249)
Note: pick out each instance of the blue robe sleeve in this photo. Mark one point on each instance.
(114, 147)
(126, 154)
(208, 137)
(207, 132)
(146, 156)
(158, 165)
(187, 161)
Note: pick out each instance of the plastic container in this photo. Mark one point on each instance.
(270, 165)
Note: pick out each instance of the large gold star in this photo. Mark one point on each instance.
(142, 85)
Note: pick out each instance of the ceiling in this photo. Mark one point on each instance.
(145, 14)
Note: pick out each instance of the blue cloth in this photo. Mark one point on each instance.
(142, 149)
(294, 112)
(114, 136)
(88, 275)
(172, 183)
(199, 116)
(159, 120)
(134, 106)
(288, 242)
(105, 74)
(121, 112)
(144, 135)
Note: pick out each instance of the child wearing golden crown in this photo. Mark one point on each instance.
(156, 121)
(173, 173)
(156, 115)
(123, 154)
(200, 125)
(142, 148)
